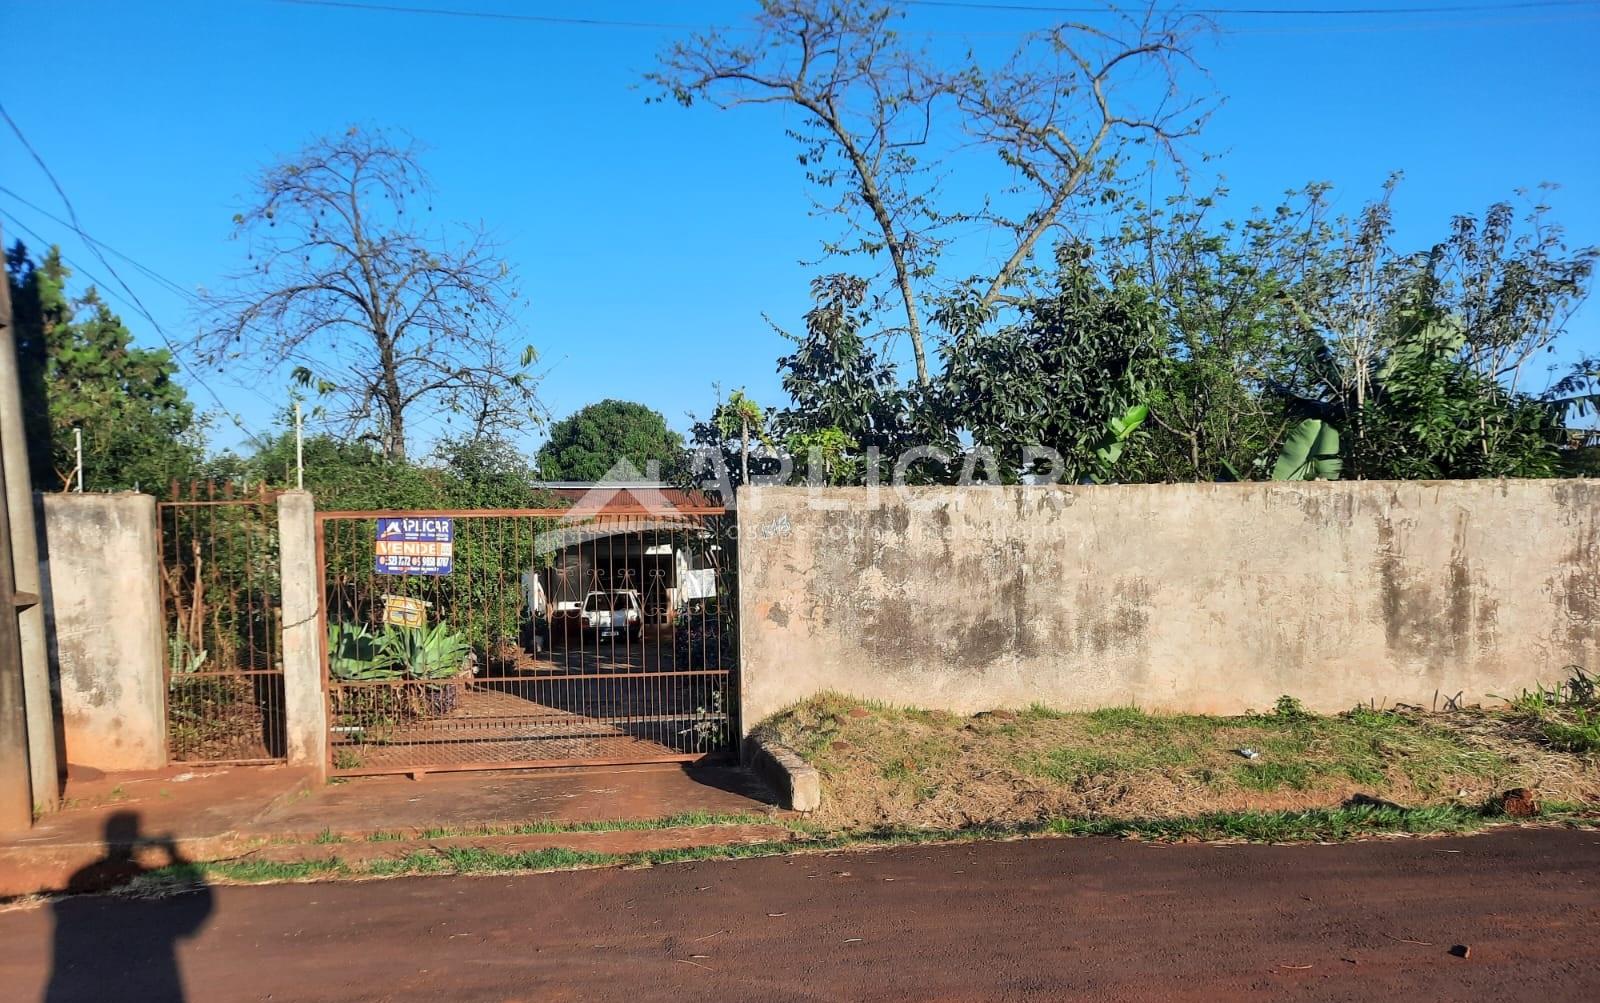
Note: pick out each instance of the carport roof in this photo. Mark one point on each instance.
(631, 498)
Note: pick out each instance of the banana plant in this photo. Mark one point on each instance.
(1118, 431)
(1310, 453)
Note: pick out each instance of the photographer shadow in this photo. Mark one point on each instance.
(123, 947)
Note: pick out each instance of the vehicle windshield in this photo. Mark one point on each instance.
(599, 601)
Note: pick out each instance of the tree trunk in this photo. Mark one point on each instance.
(744, 451)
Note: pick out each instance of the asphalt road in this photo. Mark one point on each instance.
(1034, 920)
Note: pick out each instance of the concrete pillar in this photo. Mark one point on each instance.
(305, 708)
(102, 598)
(40, 706)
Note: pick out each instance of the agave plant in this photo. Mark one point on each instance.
(435, 652)
(355, 653)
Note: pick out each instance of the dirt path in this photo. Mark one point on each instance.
(1042, 919)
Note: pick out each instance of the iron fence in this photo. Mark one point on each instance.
(222, 596)
(531, 637)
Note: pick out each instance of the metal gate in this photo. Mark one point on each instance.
(221, 592)
(527, 637)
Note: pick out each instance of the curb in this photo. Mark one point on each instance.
(796, 781)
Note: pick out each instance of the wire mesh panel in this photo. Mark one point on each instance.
(486, 639)
(222, 598)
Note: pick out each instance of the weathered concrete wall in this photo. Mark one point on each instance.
(103, 615)
(1192, 597)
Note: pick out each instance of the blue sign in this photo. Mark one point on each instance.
(415, 545)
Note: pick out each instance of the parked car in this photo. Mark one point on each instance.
(613, 613)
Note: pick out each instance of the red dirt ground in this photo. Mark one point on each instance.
(1031, 920)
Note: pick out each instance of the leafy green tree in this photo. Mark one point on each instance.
(742, 418)
(1073, 361)
(846, 398)
(81, 370)
(1419, 358)
(1229, 336)
(586, 445)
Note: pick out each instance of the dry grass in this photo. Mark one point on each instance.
(902, 767)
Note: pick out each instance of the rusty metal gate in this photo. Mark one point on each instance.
(221, 592)
(512, 638)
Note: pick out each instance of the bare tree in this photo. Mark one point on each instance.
(869, 105)
(880, 116)
(384, 317)
(1060, 114)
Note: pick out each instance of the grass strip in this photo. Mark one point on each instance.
(681, 820)
(1314, 825)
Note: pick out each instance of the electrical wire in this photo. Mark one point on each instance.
(1477, 8)
(151, 273)
(132, 297)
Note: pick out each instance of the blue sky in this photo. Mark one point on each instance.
(650, 240)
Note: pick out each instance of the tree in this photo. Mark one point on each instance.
(741, 418)
(1228, 332)
(1057, 378)
(1420, 354)
(385, 318)
(841, 390)
(588, 444)
(878, 117)
(81, 371)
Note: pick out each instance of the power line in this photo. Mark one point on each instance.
(94, 247)
(1456, 8)
(100, 283)
(1477, 8)
(591, 22)
(1572, 6)
(147, 270)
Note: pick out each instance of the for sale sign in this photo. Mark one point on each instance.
(415, 545)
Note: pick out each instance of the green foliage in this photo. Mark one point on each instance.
(1119, 430)
(1567, 714)
(1433, 416)
(184, 658)
(80, 369)
(1228, 332)
(1310, 453)
(356, 653)
(435, 652)
(1580, 733)
(1084, 351)
(829, 454)
(845, 398)
(1290, 708)
(588, 444)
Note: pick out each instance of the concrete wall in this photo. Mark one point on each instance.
(1191, 597)
(103, 614)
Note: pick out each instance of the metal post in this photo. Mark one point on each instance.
(77, 449)
(23, 567)
(299, 452)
